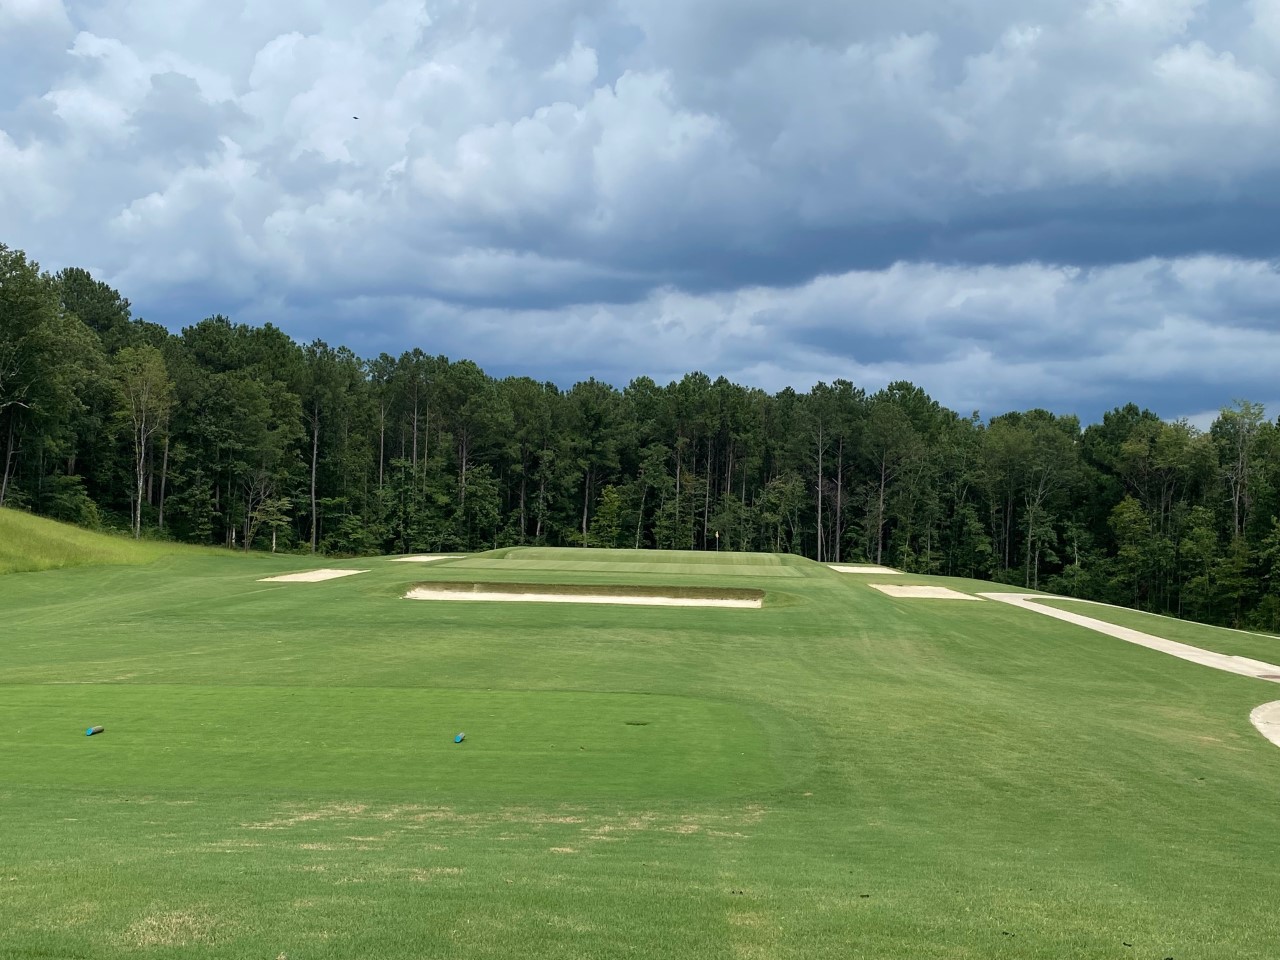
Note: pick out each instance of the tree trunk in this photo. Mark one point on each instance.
(8, 464)
(706, 499)
(315, 450)
(884, 480)
(839, 533)
(1007, 530)
(644, 492)
(426, 445)
(1026, 573)
(382, 458)
(137, 501)
(164, 480)
(415, 429)
(464, 461)
(820, 446)
(542, 499)
(676, 534)
(524, 481)
(586, 499)
(140, 475)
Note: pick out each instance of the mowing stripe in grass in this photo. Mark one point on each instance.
(287, 740)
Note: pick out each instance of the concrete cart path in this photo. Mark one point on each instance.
(1265, 718)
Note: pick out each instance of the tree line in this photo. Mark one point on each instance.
(232, 434)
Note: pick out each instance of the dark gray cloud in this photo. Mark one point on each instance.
(1058, 203)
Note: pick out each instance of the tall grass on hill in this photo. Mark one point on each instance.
(29, 543)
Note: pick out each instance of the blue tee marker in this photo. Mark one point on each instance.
(90, 731)
(459, 738)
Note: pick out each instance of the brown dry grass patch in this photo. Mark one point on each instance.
(171, 928)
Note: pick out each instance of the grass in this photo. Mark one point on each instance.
(839, 774)
(30, 543)
(615, 567)
(1237, 643)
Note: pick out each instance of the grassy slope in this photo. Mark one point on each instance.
(840, 774)
(1238, 643)
(29, 543)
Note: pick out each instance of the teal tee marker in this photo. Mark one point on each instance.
(90, 731)
(459, 738)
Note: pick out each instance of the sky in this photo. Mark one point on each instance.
(1069, 204)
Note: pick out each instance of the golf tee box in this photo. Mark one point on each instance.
(90, 731)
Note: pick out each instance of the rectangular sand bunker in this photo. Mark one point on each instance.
(424, 593)
(310, 576)
(921, 593)
(424, 558)
(863, 568)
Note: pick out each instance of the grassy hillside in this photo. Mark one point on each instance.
(1238, 643)
(29, 543)
(839, 774)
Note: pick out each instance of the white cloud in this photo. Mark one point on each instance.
(1156, 332)
(16, 14)
(618, 159)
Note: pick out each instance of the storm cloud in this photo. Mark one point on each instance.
(1058, 204)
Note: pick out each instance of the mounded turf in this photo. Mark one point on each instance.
(838, 774)
(623, 567)
(29, 543)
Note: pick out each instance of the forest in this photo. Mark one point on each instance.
(237, 435)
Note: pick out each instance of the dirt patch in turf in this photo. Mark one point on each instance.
(921, 592)
(310, 576)
(171, 929)
(335, 811)
(427, 874)
(400, 820)
(580, 593)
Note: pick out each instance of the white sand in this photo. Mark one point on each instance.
(424, 558)
(863, 568)
(921, 593)
(1265, 718)
(423, 593)
(310, 576)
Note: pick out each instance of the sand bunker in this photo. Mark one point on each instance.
(921, 593)
(426, 593)
(423, 558)
(863, 568)
(310, 576)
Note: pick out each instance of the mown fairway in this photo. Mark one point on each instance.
(839, 774)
